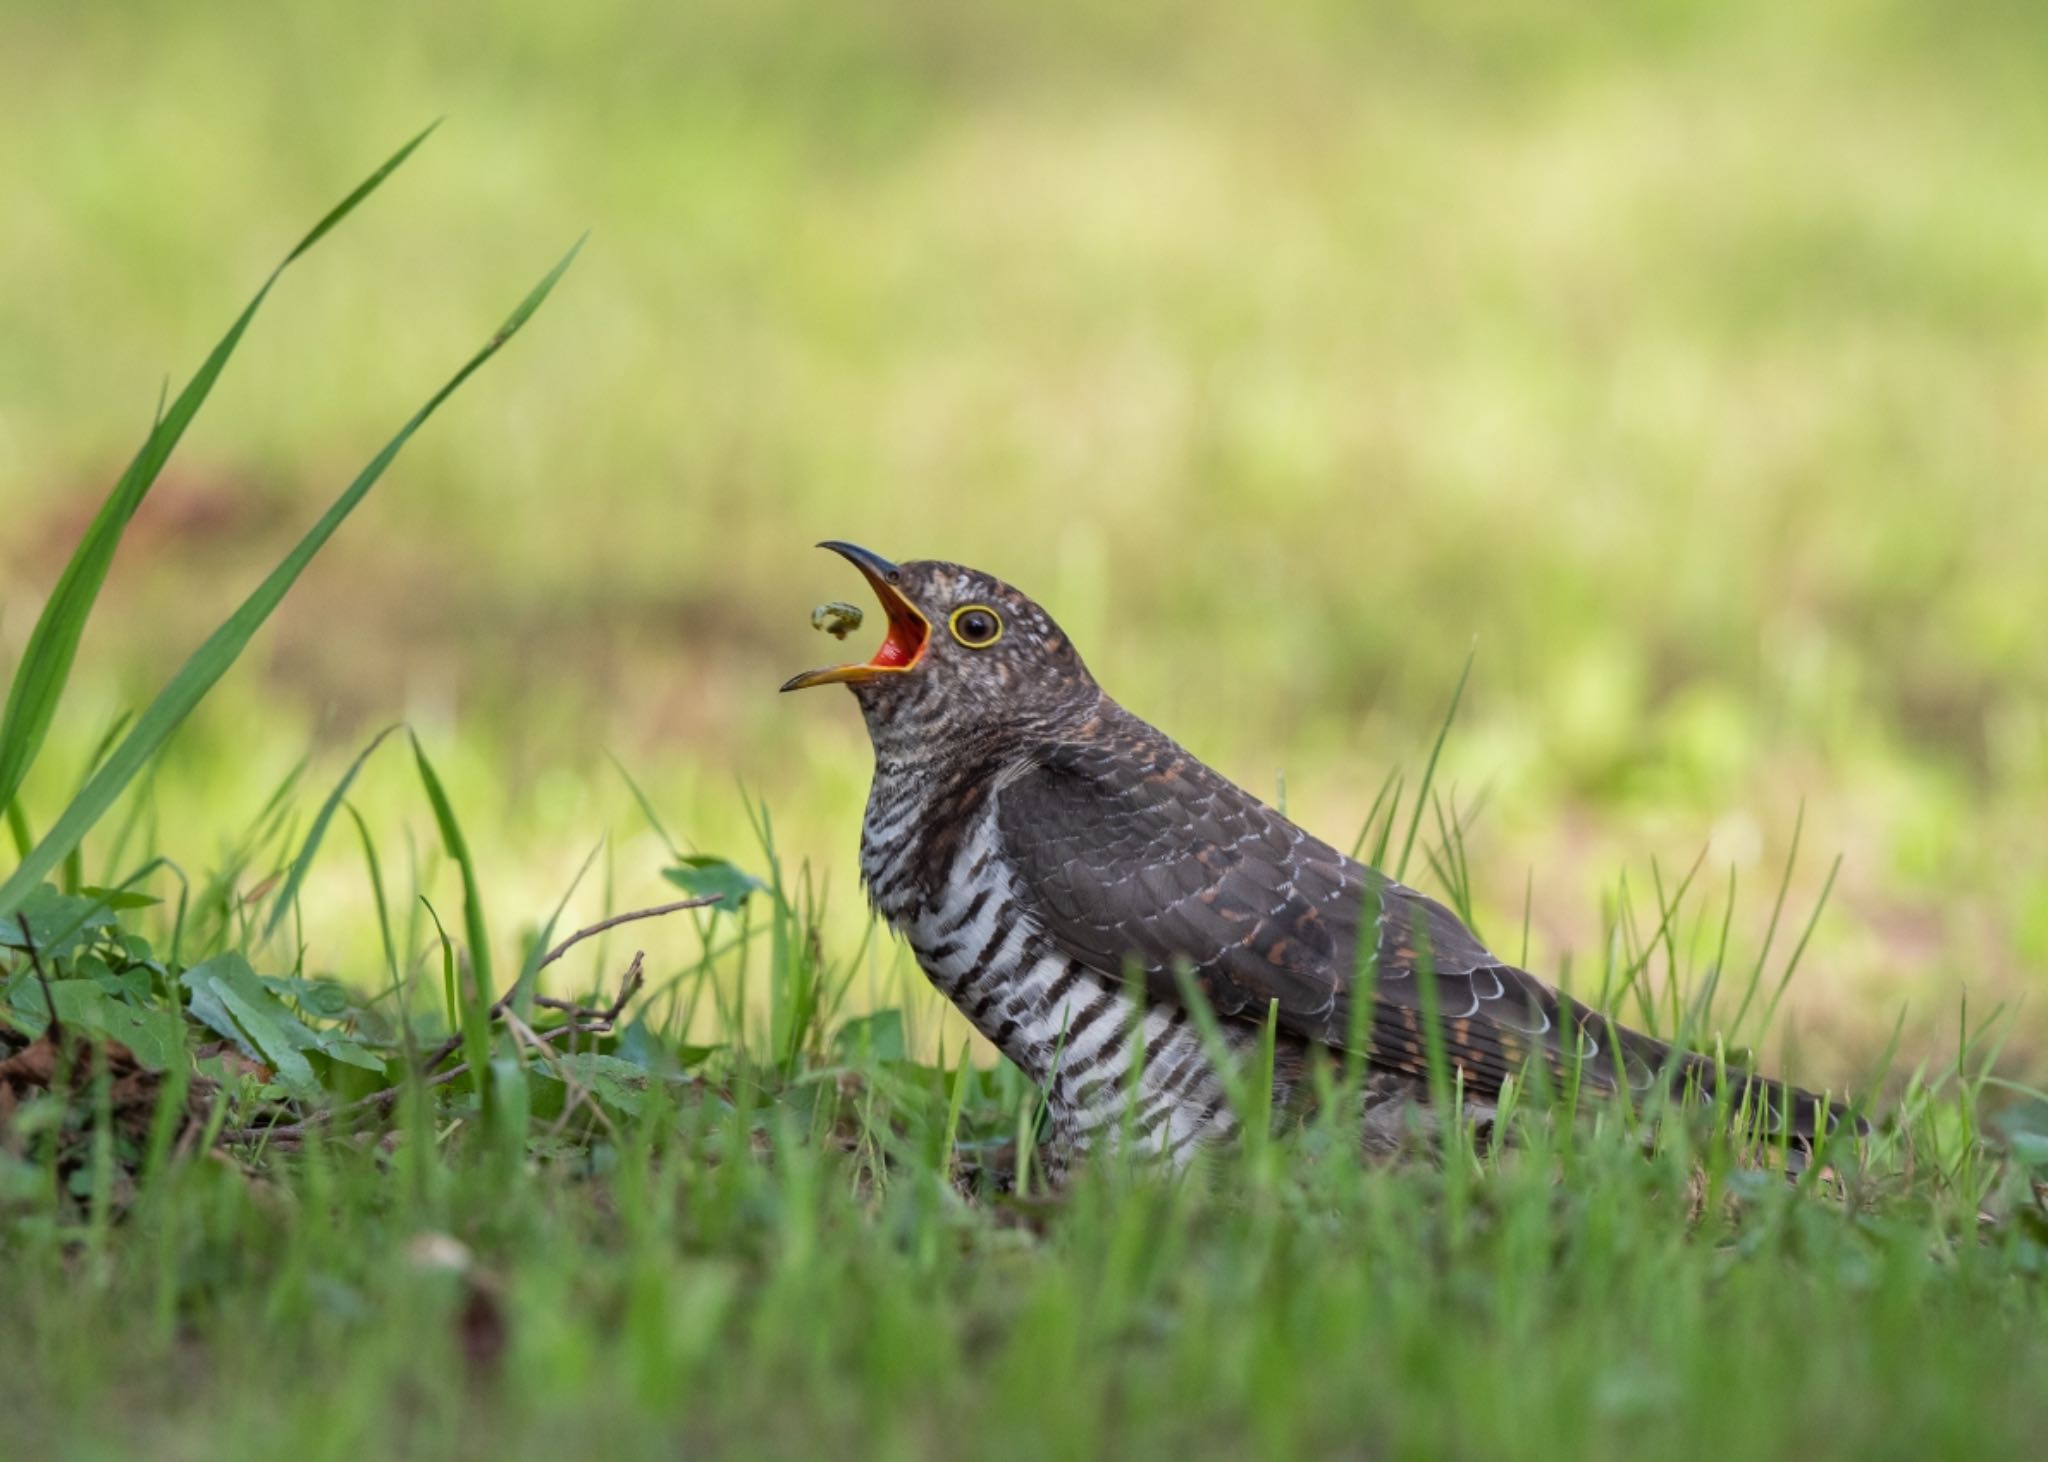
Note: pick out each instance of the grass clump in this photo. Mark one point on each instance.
(617, 1240)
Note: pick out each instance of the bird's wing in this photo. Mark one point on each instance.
(1140, 856)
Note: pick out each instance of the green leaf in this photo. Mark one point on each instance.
(136, 948)
(205, 1006)
(52, 647)
(701, 875)
(57, 922)
(877, 1037)
(617, 1083)
(21, 1181)
(323, 997)
(638, 1045)
(338, 1047)
(508, 1105)
(225, 645)
(226, 985)
(132, 985)
(151, 1034)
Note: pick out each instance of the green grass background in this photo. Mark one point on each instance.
(1688, 359)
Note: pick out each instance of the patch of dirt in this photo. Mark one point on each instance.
(55, 1090)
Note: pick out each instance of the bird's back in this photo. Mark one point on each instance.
(1136, 855)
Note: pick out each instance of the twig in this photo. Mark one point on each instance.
(628, 988)
(499, 1006)
(584, 1020)
(35, 958)
(286, 1131)
(617, 919)
(578, 1093)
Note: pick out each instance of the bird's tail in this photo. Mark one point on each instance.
(1759, 1108)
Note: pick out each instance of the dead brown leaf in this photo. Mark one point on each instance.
(69, 1068)
(482, 1327)
(232, 1061)
(35, 1066)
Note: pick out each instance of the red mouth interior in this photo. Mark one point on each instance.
(905, 641)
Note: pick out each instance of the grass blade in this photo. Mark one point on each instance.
(212, 659)
(471, 1021)
(289, 894)
(52, 647)
(475, 929)
(1429, 768)
(376, 875)
(1372, 814)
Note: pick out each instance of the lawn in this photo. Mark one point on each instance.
(1681, 367)
(621, 1243)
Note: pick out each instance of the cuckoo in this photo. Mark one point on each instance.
(1073, 880)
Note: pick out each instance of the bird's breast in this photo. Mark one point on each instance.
(953, 895)
(960, 902)
(894, 838)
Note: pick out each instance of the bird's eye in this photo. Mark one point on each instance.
(977, 626)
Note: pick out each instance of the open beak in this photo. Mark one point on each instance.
(909, 630)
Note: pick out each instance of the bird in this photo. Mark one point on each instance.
(1078, 885)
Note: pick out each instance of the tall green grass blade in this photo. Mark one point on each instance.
(1820, 904)
(475, 929)
(1450, 862)
(1376, 856)
(376, 874)
(1258, 1117)
(647, 809)
(1215, 1045)
(1365, 976)
(74, 861)
(544, 938)
(471, 1023)
(17, 828)
(139, 820)
(1763, 955)
(1429, 768)
(288, 895)
(212, 659)
(52, 647)
(1372, 813)
(1528, 905)
(956, 1099)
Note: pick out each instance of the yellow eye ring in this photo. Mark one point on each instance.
(979, 631)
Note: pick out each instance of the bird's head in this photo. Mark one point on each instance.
(962, 647)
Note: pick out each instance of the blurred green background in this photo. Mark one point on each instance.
(1690, 360)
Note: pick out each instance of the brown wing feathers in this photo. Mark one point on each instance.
(1140, 854)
